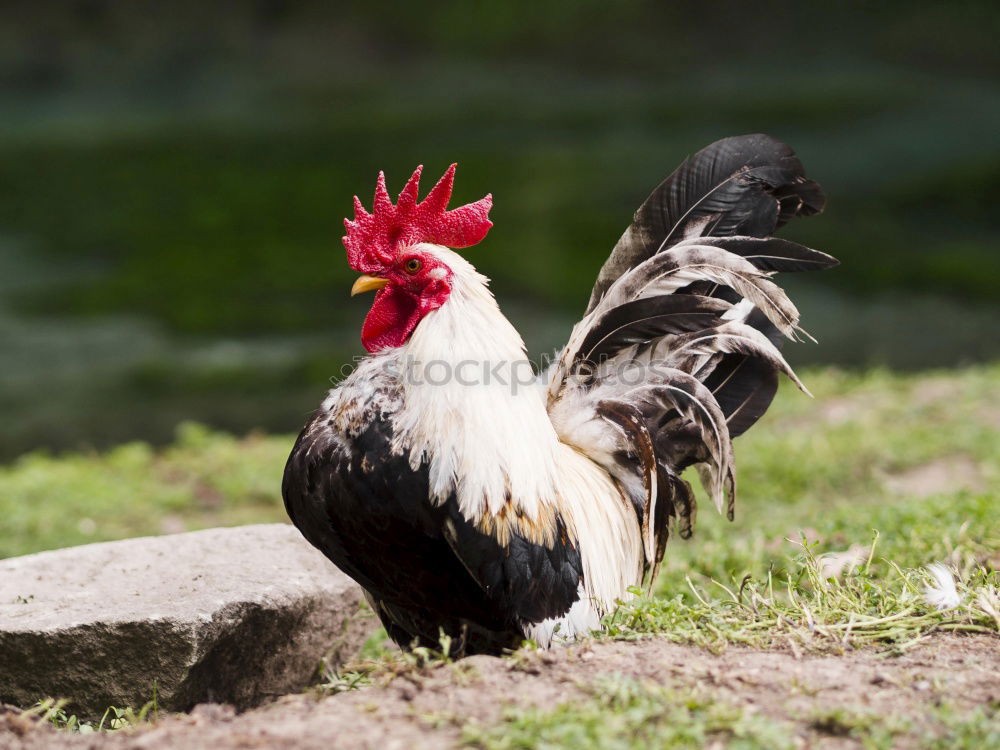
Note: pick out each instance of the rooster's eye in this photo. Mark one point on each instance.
(412, 265)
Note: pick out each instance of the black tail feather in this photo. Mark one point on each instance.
(746, 185)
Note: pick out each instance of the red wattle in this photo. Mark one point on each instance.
(391, 320)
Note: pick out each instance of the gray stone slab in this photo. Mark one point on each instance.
(236, 615)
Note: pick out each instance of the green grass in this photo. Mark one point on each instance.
(623, 713)
(807, 611)
(204, 479)
(52, 711)
(974, 729)
(620, 712)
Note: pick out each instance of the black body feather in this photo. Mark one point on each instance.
(425, 568)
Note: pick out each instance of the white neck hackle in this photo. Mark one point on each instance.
(470, 401)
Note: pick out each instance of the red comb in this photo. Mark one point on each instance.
(374, 239)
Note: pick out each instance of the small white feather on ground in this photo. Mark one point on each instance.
(942, 594)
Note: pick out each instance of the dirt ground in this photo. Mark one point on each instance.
(426, 709)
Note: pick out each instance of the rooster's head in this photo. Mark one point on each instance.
(393, 246)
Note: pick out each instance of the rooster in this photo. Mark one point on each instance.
(473, 500)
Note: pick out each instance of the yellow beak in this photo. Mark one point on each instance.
(367, 284)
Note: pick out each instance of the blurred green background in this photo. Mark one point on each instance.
(173, 178)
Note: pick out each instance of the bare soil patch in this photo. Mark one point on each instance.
(935, 477)
(427, 708)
